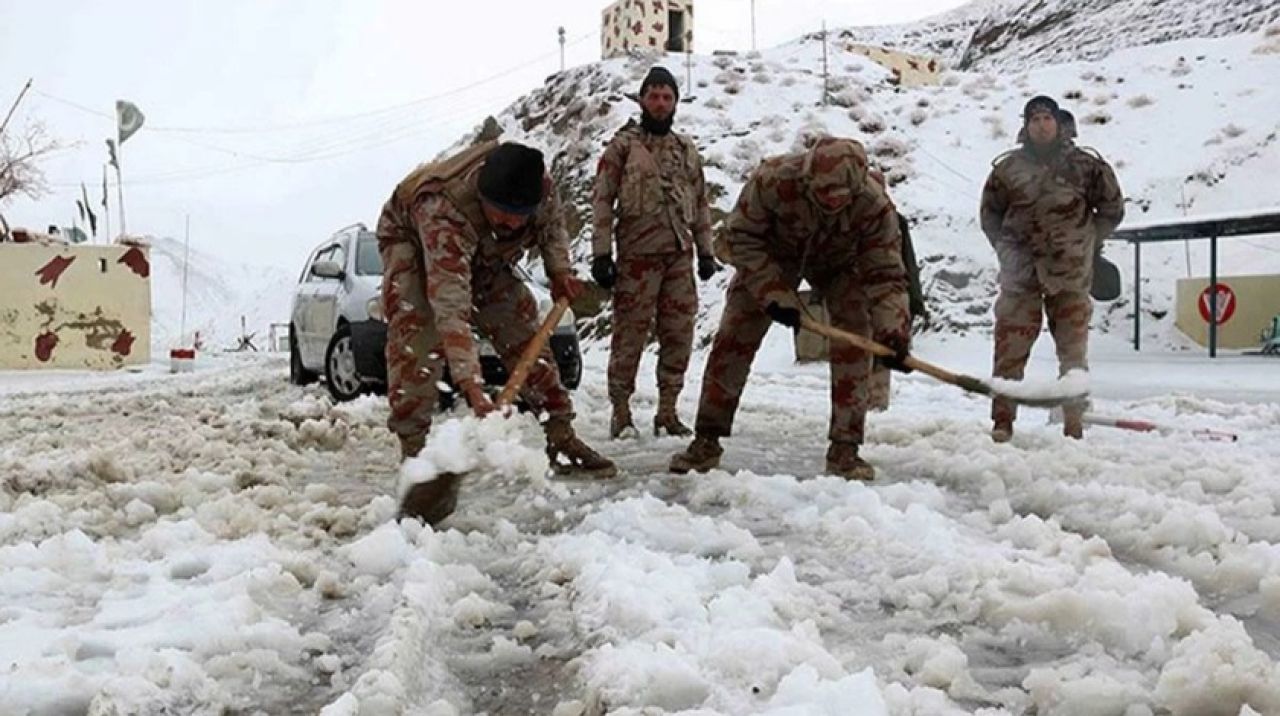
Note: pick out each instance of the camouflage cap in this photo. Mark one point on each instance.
(837, 172)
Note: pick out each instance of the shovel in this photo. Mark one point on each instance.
(964, 382)
(436, 499)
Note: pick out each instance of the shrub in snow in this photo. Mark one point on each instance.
(1141, 100)
(1073, 94)
(757, 67)
(788, 81)
(872, 125)
(918, 116)
(1232, 131)
(733, 88)
(713, 103)
(1101, 99)
(922, 102)
(950, 79)
(727, 77)
(747, 150)
(1181, 68)
(724, 62)
(704, 84)
(857, 112)
(995, 125)
(890, 147)
(849, 97)
(1097, 118)
(761, 78)
(1088, 75)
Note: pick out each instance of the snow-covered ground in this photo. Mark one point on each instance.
(222, 542)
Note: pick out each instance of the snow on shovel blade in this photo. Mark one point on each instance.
(1070, 389)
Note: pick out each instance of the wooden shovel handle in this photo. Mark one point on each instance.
(532, 350)
(966, 382)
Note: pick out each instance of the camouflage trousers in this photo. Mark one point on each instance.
(878, 384)
(504, 310)
(653, 290)
(1018, 319)
(742, 328)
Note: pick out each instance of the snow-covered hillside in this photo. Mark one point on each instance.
(219, 293)
(1189, 126)
(1013, 34)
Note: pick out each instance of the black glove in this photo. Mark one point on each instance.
(897, 361)
(786, 315)
(707, 267)
(604, 271)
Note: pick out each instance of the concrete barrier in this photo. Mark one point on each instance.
(74, 307)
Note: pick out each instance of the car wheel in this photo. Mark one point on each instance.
(298, 375)
(340, 366)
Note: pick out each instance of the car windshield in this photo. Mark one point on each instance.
(368, 261)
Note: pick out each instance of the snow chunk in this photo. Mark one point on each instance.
(380, 552)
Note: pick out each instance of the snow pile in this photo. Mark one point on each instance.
(464, 445)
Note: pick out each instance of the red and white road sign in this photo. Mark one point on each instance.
(1226, 303)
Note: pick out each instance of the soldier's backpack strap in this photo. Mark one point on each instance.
(442, 171)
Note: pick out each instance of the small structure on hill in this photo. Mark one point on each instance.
(646, 26)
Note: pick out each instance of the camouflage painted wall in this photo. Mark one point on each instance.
(909, 70)
(74, 307)
(643, 26)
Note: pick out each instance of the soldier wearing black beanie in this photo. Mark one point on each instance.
(511, 178)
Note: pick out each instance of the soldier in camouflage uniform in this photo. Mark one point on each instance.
(654, 177)
(817, 216)
(1045, 207)
(449, 236)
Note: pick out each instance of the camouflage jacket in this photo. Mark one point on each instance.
(1046, 216)
(657, 185)
(439, 205)
(817, 214)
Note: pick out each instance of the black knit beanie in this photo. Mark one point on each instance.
(511, 178)
(660, 76)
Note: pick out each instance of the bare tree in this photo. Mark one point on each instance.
(20, 157)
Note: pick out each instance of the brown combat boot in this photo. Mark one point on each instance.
(580, 459)
(667, 419)
(843, 461)
(1073, 425)
(703, 454)
(620, 424)
(1002, 431)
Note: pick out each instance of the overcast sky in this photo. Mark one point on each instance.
(249, 104)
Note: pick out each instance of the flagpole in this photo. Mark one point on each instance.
(186, 261)
(106, 207)
(120, 189)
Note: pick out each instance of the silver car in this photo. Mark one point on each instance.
(337, 329)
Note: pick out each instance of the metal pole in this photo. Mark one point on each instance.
(1137, 296)
(561, 33)
(13, 108)
(753, 25)
(106, 207)
(120, 189)
(824, 63)
(186, 261)
(1213, 294)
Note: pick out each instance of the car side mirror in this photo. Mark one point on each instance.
(328, 269)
